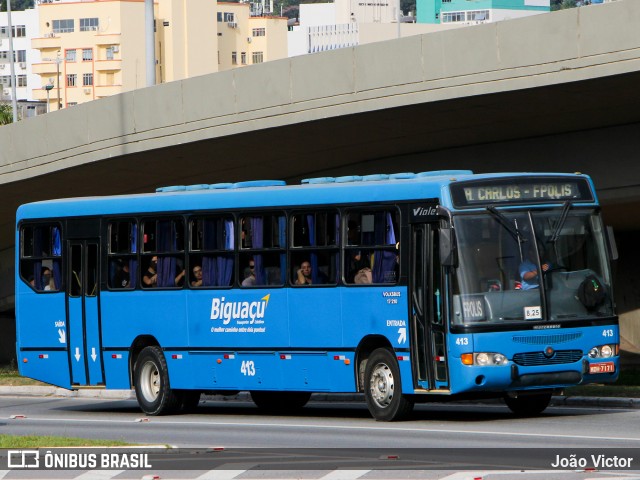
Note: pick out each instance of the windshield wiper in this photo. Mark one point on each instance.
(563, 218)
(506, 223)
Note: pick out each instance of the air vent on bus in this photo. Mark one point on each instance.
(443, 173)
(259, 183)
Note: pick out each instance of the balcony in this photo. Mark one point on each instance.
(47, 42)
(41, 94)
(108, 39)
(107, 90)
(48, 68)
(106, 65)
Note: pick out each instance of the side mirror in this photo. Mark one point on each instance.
(448, 248)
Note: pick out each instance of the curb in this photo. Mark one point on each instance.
(44, 391)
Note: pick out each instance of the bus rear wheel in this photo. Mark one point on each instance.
(280, 401)
(153, 391)
(528, 405)
(383, 388)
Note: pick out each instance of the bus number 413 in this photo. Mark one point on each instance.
(248, 368)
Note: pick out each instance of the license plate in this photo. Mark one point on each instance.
(605, 367)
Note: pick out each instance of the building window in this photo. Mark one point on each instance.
(258, 32)
(229, 17)
(5, 80)
(87, 79)
(452, 17)
(243, 58)
(110, 52)
(71, 79)
(70, 55)
(88, 24)
(19, 55)
(72, 104)
(219, 16)
(234, 58)
(478, 16)
(22, 80)
(19, 31)
(257, 57)
(87, 54)
(63, 26)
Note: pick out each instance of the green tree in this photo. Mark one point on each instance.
(16, 5)
(6, 114)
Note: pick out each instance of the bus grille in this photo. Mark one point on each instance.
(532, 359)
(547, 339)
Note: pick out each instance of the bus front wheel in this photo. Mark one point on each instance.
(528, 405)
(153, 392)
(383, 388)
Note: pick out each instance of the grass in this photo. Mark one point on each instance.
(9, 376)
(628, 385)
(46, 441)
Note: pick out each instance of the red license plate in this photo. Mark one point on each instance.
(606, 367)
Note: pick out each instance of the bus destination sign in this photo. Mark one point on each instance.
(520, 190)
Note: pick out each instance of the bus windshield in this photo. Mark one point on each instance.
(534, 265)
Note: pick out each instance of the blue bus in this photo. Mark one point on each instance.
(407, 287)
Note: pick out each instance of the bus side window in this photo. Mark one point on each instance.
(314, 255)
(41, 257)
(163, 264)
(372, 252)
(122, 251)
(264, 242)
(211, 251)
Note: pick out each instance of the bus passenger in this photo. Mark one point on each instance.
(150, 277)
(250, 275)
(121, 278)
(197, 275)
(304, 274)
(48, 283)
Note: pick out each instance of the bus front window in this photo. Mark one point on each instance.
(530, 266)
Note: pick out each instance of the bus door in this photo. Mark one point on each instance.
(426, 289)
(82, 311)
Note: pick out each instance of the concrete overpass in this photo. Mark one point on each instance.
(554, 92)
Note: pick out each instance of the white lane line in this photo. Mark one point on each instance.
(331, 427)
(344, 475)
(220, 475)
(99, 475)
(3, 473)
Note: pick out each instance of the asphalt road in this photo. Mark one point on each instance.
(325, 440)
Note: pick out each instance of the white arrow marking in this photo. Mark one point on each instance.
(403, 335)
(93, 354)
(77, 355)
(62, 336)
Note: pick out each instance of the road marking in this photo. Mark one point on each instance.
(344, 475)
(99, 475)
(163, 421)
(220, 474)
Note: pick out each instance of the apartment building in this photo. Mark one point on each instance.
(465, 12)
(96, 48)
(246, 39)
(25, 26)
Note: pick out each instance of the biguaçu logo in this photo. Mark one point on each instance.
(227, 311)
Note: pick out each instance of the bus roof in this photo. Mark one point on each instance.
(271, 193)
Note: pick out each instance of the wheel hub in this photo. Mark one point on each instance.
(382, 385)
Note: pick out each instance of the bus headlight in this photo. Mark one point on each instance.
(483, 359)
(603, 351)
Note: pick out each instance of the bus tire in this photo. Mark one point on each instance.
(383, 388)
(153, 390)
(280, 401)
(528, 405)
